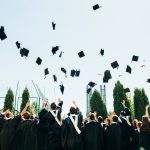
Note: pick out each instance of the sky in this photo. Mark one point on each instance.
(121, 28)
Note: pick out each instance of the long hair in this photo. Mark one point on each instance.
(146, 124)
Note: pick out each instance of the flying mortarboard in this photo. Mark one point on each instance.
(55, 49)
(126, 90)
(107, 76)
(73, 72)
(64, 71)
(2, 33)
(39, 61)
(77, 73)
(62, 88)
(46, 72)
(128, 69)
(135, 58)
(95, 7)
(148, 80)
(18, 45)
(24, 52)
(114, 64)
(60, 55)
(81, 54)
(55, 78)
(91, 84)
(102, 52)
(89, 90)
(53, 25)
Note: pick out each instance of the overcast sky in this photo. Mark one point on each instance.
(120, 27)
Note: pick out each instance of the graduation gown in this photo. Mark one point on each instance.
(26, 135)
(92, 136)
(7, 134)
(70, 138)
(49, 130)
(113, 137)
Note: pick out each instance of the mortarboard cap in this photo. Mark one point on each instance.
(95, 7)
(53, 25)
(2, 33)
(102, 52)
(148, 80)
(128, 69)
(135, 58)
(18, 45)
(114, 64)
(105, 80)
(126, 90)
(46, 72)
(81, 54)
(60, 55)
(55, 78)
(62, 88)
(24, 52)
(39, 61)
(107, 76)
(73, 72)
(77, 73)
(63, 70)
(55, 49)
(89, 90)
(92, 84)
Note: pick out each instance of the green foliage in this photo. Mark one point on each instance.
(9, 100)
(25, 98)
(140, 102)
(131, 106)
(97, 104)
(119, 95)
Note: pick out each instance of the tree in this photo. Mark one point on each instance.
(25, 98)
(119, 95)
(140, 102)
(9, 100)
(97, 105)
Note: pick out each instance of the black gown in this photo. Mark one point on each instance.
(113, 137)
(71, 139)
(92, 136)
(8, 134)
(26, 135)
(49, 130)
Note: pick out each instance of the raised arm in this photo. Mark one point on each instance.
(25, 109)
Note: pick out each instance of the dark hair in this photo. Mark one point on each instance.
(53, 106)
(92, 117)
(115, 118)
(72, 110)
(26, 115)
(100, 119)
(135, 121)
(108, 120)
(146, 125)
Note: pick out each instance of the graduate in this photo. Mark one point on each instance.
(8, 132)
(93, 135)
(49, 128)
(26, 133)
(71, 130)
(114, 135)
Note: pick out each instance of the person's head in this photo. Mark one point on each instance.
(72, 110)
(145, 120)
(115, 118)
(100, 119)
(26, 115)
(9, 115)
(107, 121)
(53, 106)
(139, 124)
(135, 123)
(92, 116)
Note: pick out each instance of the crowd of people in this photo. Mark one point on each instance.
(49, 131)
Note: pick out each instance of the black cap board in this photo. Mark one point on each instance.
(24, 52)
(114, 64)
(55, 49)
(73, 72)
(102, 52)
(39, 61)
(62, 88)
(46, 72)
(148, 80)
(126, 90)
(81, 54)
(91, 84)
(89, 90)
(128, 69)
(107, 76)
(18, 45)
(63, 70)
(135, 58)
(77, 73)
(55, 78)
(3, 36)
(95, 7)
(53, 25)
(60, 55)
